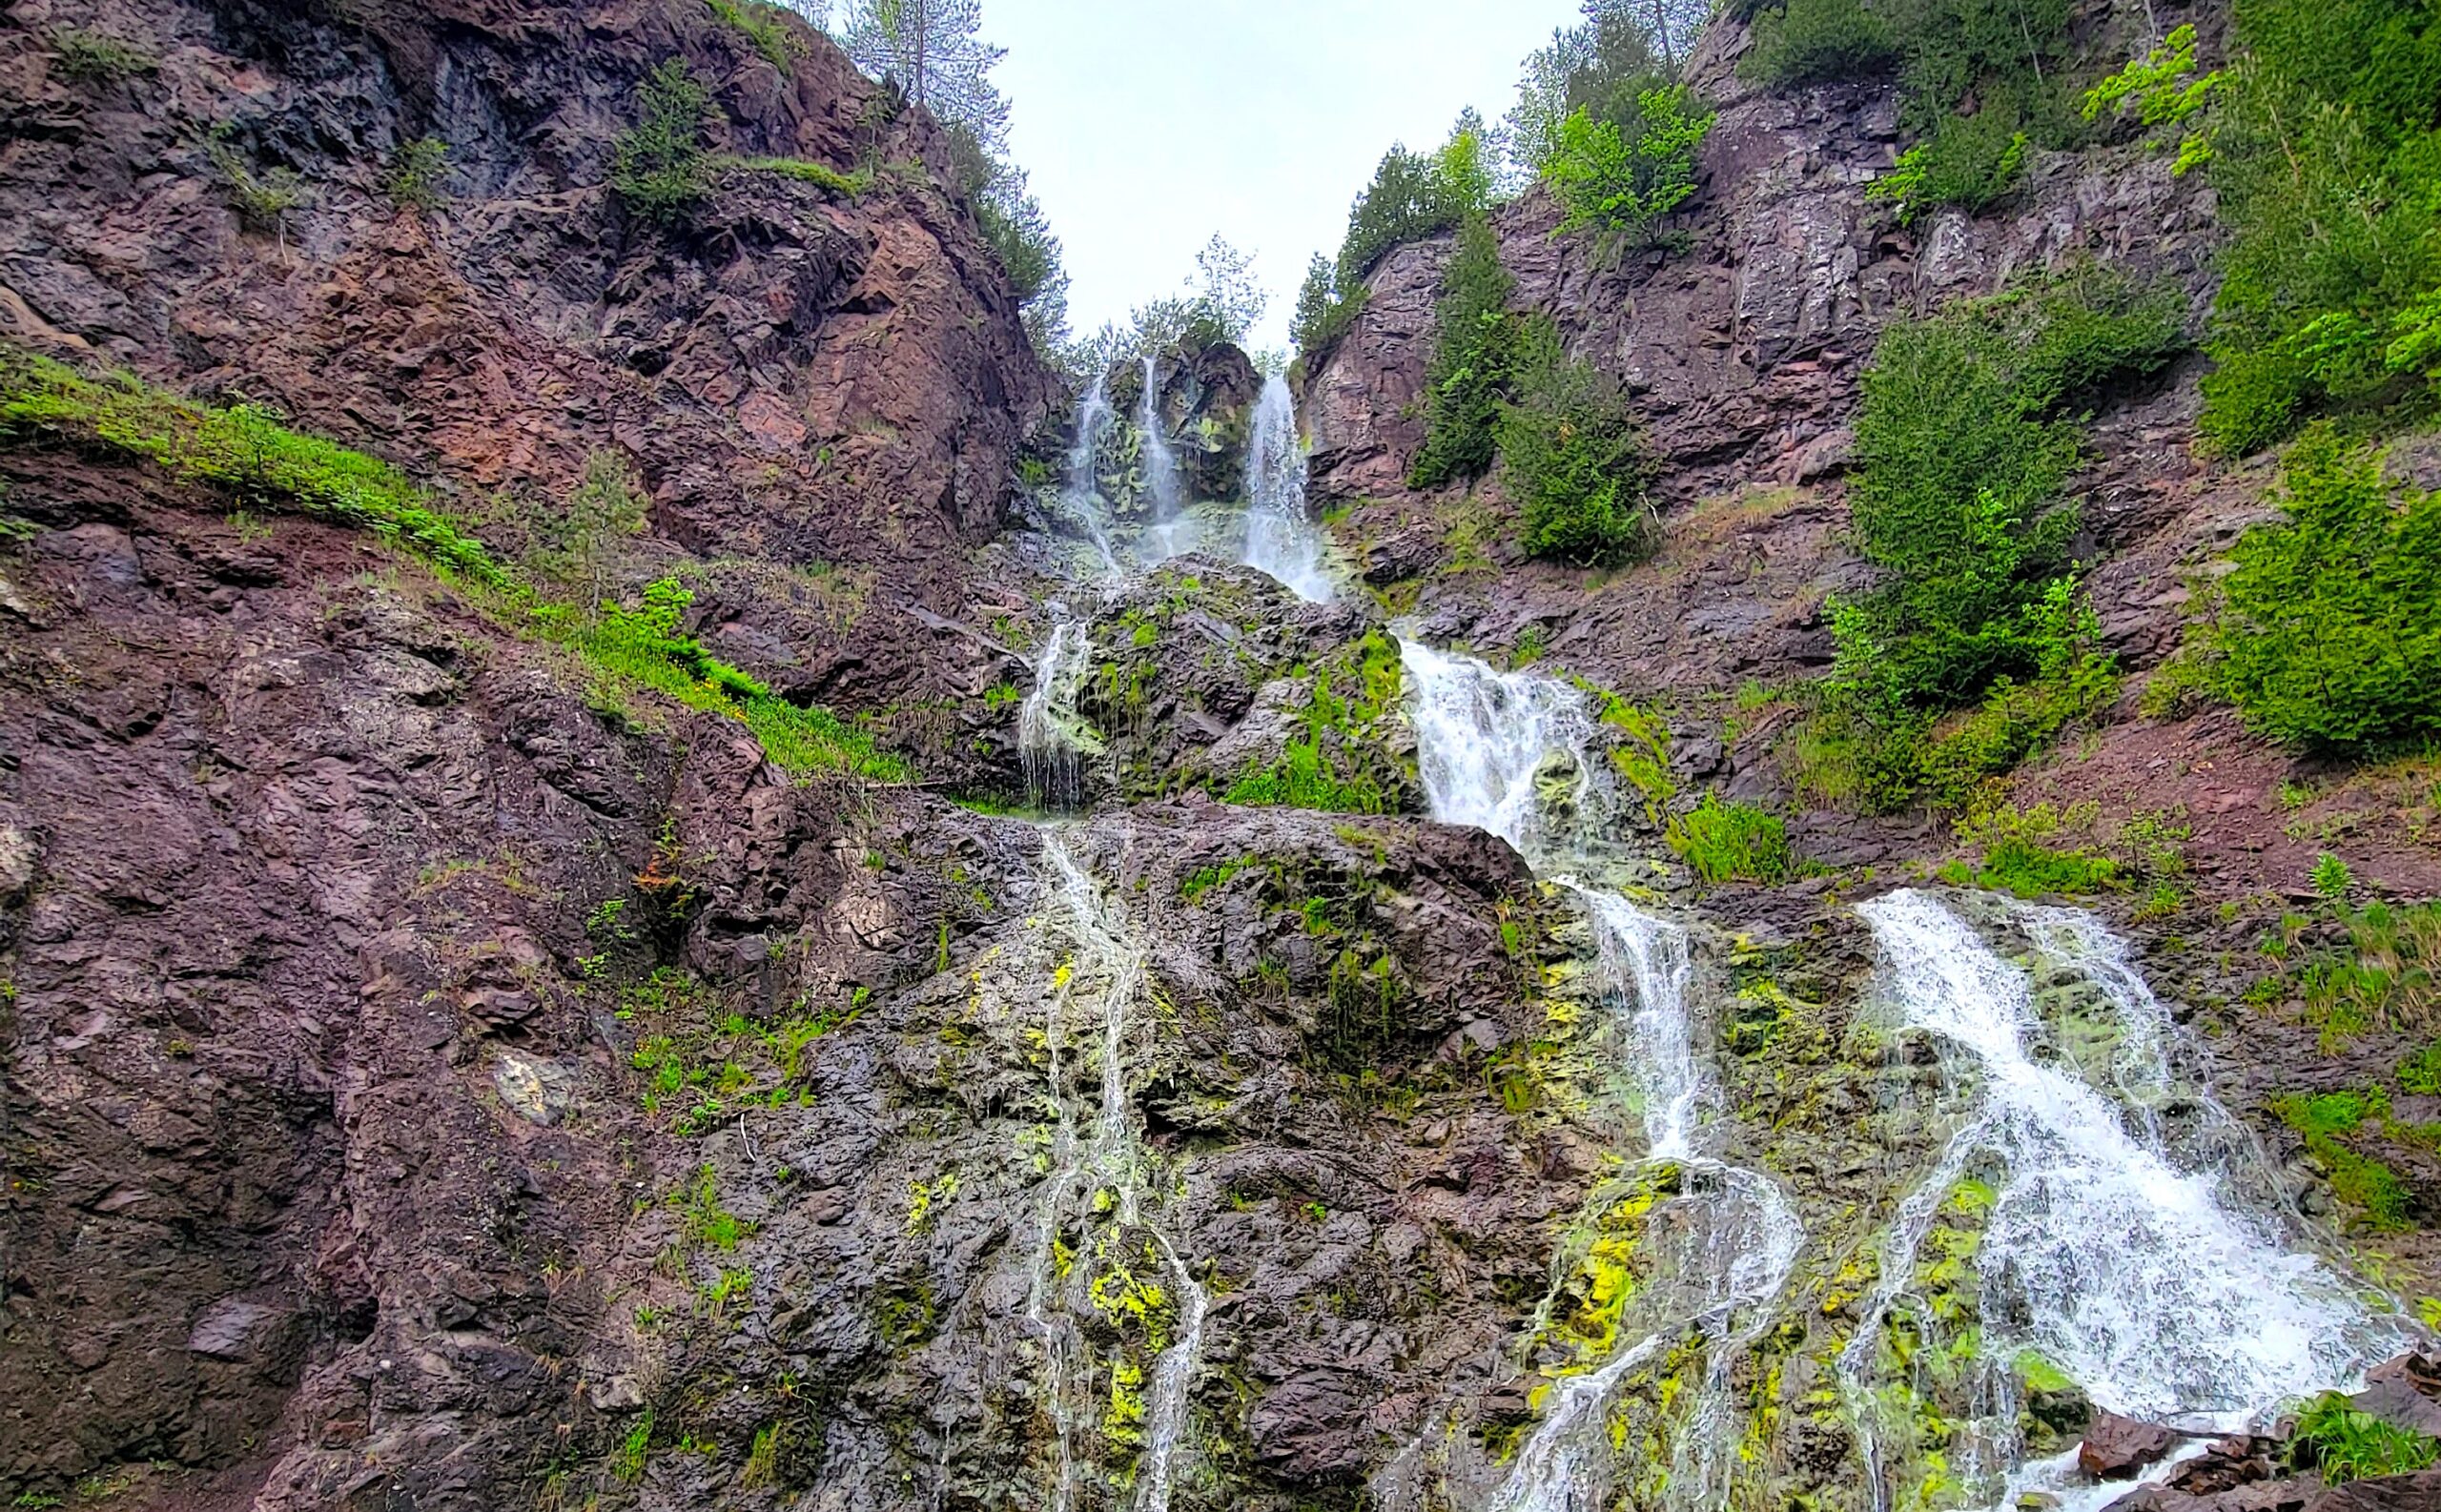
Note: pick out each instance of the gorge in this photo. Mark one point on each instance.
(654, 856)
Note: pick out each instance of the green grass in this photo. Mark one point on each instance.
(249, 452)
(97, 57)
(822, 175)
(2030, 870)
(1732, 842)
(760, 25)
(2361, 1181)
(244, 449)
(2343, 1445)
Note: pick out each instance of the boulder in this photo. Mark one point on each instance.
(2116, 1447)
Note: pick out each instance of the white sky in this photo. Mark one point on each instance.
(1148, 125)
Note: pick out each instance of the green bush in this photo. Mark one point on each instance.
(1732, 842)
(262, 200)
(1573, 460)
(1471, 361)
(416, 172)
(1820, 42)
(2329, 627)
(660, 169)
(2343, 1444)
(1413, 195)
(2325, 152)
(1619, 178)
(1968, 161)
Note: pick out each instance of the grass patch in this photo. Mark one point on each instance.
(761, 25)
(247, 451)
(2361, 1181)
(2343, 1444)
(2016, 860)
(821, 175)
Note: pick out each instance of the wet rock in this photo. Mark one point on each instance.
(2420, 1492)
(2116, 1448)
(2405, 1392)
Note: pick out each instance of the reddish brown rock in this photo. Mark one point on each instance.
(2116, 1448)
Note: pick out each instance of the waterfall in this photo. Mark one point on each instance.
(1490, 747)
(1109, 963)
(1496, 751)
(2134, 1271)
(1281, 537)
(1161, 464)
(1052, 741)
(1080, 493)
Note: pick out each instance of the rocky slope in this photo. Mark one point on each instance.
(445, 1071)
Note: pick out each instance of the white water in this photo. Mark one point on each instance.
(2132, 1271)
(1161, 464)
(1052, 741)
(1110, 961)
(1498, 751)
(1081, 494)
(1281, 538)
(1489, 743)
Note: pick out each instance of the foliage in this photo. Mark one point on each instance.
(1413, 195)
(660, 170)
(2388, 977)
(416, 172)
(1968, 161)
(1622, 49)
(1620, 178)
(262, 200)
(933, 51)
(761, 25)
(1228, 288)
(1820, 42)
(576, 543)
(2359, 1181)
(2016, 859)
(1573, 460)
(97, 57)
(244, 448)
(2326, 161)
(2161, 89)
(2343, 1445)
(1732, 842)
(1962, 451)
(2332, 878)
(1336, 764)
(1470, 361)
(2328, 632)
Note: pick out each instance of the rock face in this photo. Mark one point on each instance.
(438, 1076)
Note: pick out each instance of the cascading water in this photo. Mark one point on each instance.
(1281, 537)
(1109, 964)
(1053, 742)
(2131, 1269)
(1497, 750)
(1501, 752)
(1080, 492)
(1167, 534)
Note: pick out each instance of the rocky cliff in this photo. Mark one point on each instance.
(459, 1057)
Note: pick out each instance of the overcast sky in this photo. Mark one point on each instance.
(1148, 125)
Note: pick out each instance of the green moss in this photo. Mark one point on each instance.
(761, 25)
(244, 449)
(2359, 1181)
(97, 57)
(853, 185)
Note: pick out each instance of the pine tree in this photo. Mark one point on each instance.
(934, 49)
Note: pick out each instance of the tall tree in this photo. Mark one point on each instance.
(935, 50)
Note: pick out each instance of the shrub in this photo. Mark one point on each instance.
(2324, 149)
(1820, 42)
(2343, 1444)
(1732, 842)
(2329, 627)
(262, 200)
(1968, 161)
(97, 57)
(762, 26)
(660, 170)
(1413, 195)
(416, 172)
(1620, 178)
(1573, 460)
(1472, 356)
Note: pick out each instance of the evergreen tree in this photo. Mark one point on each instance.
(933, 49)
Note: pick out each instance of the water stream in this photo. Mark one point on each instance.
(1053, 740)
(2128, 1259)
(1107, 967)
(1161, 477)
(1281, 538)
(1512, 753)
